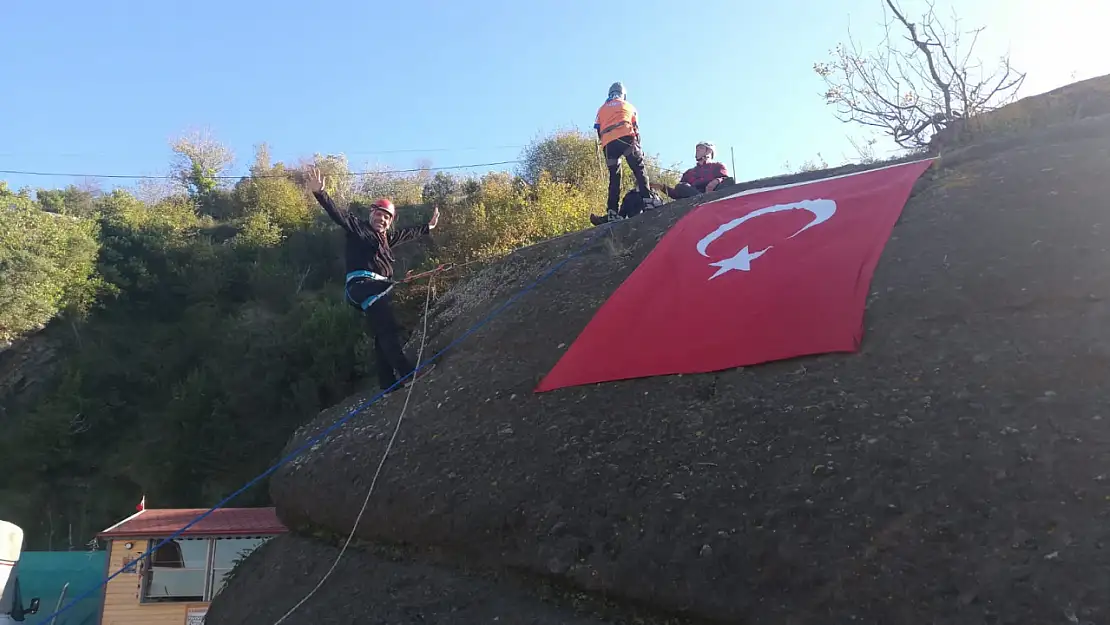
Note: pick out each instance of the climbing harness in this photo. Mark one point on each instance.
(388, 447)
(369, 301)
(615, 126)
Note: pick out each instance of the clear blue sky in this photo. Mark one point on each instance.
(101, 87)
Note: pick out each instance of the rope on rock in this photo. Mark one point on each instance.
(599, 230)
(388, 447)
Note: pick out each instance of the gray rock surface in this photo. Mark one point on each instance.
(955, 470)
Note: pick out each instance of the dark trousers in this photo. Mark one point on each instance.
(627, 146)
(683, 190)
(388, 349)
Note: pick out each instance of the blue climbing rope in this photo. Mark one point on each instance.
(354, 411)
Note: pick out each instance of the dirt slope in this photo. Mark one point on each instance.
(953, 471)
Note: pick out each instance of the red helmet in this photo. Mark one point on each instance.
(385, 205)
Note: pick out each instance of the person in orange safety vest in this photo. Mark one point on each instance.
(618, 134)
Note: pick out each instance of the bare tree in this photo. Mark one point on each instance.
(150, 191)
(865, 149)
(199, 160)
(916, 87)
(91, 186)
(402, 187)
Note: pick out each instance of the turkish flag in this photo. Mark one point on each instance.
(760, 276)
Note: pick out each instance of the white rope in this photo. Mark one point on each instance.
(373, 482)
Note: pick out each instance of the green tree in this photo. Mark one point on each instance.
(571, 157)
(441, 190)
(341, 183)
(138, 243)
(48, 262)
(270, 196)
(73, 201)
(567, 156)
(199, 163)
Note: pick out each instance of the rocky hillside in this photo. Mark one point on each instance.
(955, 470)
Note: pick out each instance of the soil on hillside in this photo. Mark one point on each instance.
(956, 470)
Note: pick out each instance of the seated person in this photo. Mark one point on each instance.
(704, 177)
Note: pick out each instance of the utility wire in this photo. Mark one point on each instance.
(423, 150)
(17, 172)
(22, 172)
(356, 153)
(289, 173)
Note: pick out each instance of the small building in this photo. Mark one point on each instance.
(175, 584)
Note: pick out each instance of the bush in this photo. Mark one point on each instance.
(48, 262)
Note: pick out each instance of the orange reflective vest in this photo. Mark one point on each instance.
(615, 119)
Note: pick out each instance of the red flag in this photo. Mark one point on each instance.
(756, 277)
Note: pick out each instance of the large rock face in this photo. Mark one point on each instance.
(955, 470)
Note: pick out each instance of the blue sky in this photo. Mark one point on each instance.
(101, 87)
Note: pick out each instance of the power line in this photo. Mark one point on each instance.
(356, 153)
(21, 172)
(421, 150)
(16, 172)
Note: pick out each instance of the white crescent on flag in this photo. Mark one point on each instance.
(822, 210)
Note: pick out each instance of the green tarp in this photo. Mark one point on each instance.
(43, 574)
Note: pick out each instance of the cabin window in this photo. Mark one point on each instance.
(226, 553)
(192, 570)
(177, 571)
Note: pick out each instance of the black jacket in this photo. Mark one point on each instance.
(366, 249)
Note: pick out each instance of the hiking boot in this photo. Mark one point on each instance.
(597, 220)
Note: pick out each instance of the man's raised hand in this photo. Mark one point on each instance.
(435, 218)
(315, 179)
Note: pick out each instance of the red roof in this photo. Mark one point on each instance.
(222, 522)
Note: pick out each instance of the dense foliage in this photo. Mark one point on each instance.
(198, 326)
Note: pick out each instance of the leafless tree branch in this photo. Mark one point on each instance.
(921, 78)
